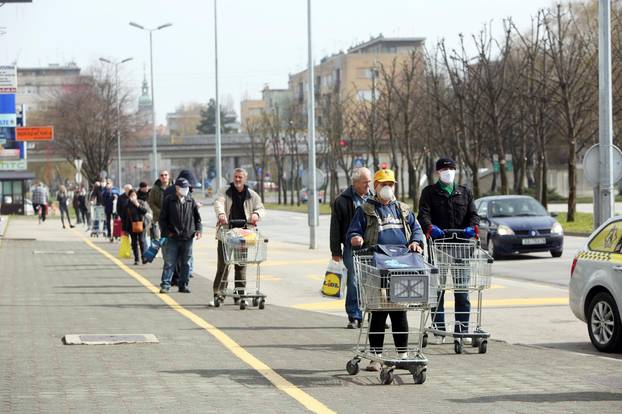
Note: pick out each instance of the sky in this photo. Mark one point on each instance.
(259, 41)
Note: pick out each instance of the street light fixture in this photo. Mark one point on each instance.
(153, 121)
(116, 77)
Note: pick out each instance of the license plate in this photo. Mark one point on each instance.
(539, 240)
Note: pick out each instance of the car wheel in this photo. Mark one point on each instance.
(557, 253)
(603, 323)
(491, 249)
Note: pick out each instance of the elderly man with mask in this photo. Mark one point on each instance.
(447, 205)
(341, 216)
(235, 202)
(180, 223)
(386, 221)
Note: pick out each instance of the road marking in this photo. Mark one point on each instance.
(487, 303)
(278, 381)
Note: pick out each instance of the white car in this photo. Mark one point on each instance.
(596, 285)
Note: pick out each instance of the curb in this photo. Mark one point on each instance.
(576, 234)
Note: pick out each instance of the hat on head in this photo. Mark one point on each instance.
(142, 184)
(445, 163)
(182, 183)
(384, 176)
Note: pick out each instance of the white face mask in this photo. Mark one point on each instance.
(386, 193)
(447, 176)
(184, 191)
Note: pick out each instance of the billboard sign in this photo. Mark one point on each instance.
(43, 133)
(8, 79)
(7, 110)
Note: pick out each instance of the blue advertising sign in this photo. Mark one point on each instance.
(8, 118)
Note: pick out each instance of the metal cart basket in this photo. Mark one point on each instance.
(410, 290)
(464, 267)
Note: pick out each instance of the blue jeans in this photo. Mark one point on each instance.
(463, 309)
(176, 250)
(352, 300)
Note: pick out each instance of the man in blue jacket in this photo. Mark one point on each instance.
(386, 221)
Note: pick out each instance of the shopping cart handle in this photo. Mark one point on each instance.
(237, 223)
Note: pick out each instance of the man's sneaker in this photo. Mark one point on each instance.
(164, 290)
(374, 366)
(184, 290)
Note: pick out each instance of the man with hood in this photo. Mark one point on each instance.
(155, 198)
(384, 220)
(341, 215)
(235, 202)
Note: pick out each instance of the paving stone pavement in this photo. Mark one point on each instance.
(52, 293)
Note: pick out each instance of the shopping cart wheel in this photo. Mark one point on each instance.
(420, 376)
(217, 302)
(424, 341)
(386, 376)
(255, 301)
(242, 304)
(458, 347)
(476, 342)
(352, 366)
(262, 304)
(483, 346)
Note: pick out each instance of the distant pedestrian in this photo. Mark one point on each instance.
(75, 203)
(83, 207)
(235, 202)
(63, 205)
(40, 197)
(143, 191)
(180, 222)
(123, 201)
(136, 214)
(155, 198)
(341, 216)
(110, 196)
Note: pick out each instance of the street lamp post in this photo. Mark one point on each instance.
(313, 205)
(218, 127)
(118, 104)
(153, 120)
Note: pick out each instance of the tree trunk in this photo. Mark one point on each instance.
(572, 180)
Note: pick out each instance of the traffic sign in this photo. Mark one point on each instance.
(43, 133)
(591, 165)
(320, 178)
(78, 164)
(78, 177)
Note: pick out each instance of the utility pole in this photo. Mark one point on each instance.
(605, 202)
(312, 183)
(218, 132)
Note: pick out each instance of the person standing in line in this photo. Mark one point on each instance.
(341, 216)
(235, 202)
(123, 202)
(83, 207)
(180, 222)
(143, 191)
(63, 205)
(76, 205)
(155, 198)
(386, 221)
(446, 205)
(109, 195)
(134, 224)
(40, 200)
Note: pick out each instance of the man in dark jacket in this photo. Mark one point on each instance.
(109, 195)
(123, 202)
(143, 191)
(341, 216)
(156, 196)
(446, 205)
(180, 223)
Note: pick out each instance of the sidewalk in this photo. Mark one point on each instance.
(59, 284)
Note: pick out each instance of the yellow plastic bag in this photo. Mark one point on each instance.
(125, 249)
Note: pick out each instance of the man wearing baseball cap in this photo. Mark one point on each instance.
(447, 205)
(180, 223)
(384, 220)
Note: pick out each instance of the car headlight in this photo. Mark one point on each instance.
(557, 229)
(503, 230)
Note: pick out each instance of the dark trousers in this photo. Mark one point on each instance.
(64, 211)
(138, 241)
(399, 323)
(77, 211)
(108, 225)
(42, 210)
(176, 251)
(463, 310)
(222, 273)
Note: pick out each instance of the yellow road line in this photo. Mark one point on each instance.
(329, 305)
(278, 381)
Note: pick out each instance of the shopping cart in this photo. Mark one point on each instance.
(98, 216)
(243, 245)
(410, 290)
(464, 267)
